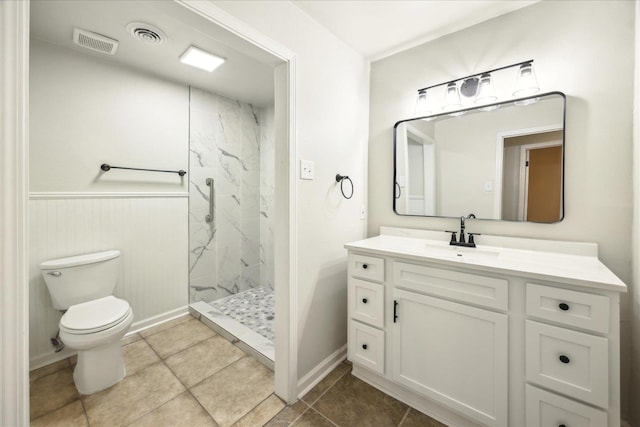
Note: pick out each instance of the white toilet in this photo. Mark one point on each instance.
(95, 320)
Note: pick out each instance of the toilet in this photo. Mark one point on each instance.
(95, 320)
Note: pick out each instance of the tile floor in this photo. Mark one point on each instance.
(181, 373)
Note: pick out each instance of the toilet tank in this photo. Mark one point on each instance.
(81, 278)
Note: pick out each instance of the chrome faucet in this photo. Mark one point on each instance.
(462, 241)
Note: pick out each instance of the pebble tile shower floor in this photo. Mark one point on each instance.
(181, 373)
(254, 308)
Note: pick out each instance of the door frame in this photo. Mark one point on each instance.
(523, 191)
(497, 188)
(14, 255)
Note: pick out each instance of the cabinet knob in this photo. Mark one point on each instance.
(364, 346)
(365, 266)
(563, 306)
(564, 359)
(364, 300)
(562, 425)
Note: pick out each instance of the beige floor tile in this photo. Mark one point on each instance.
(182, 410)
(48, 370)
(71, 415)
(353, 402)
(177, 338)
(203, 360)
(137, 356)
(312, 418)
(326, 383)
(232, 392)
(130, 339)
(418, 419)
(166, 325)
(133, 397)
(262, 413)
(52, 392)
(288, 415)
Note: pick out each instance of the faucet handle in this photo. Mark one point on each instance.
(471, 240)
(453, 240)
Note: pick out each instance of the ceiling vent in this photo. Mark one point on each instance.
(146, 33)
(94, 41)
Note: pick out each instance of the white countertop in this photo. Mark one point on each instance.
(581, 268)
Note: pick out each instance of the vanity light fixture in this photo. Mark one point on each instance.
(480, 87)
(421, 104)
(451, 98)
(527, 83)
(486, 92)
(201, 59)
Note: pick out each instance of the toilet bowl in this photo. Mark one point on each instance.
(94, 321)
(91, 329)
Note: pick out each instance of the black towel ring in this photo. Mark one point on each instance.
(341, 179)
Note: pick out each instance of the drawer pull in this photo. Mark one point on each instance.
(562, 425)
(364, 346)
(564, 359)
(365, 266)
(364, 300)
(564, 307)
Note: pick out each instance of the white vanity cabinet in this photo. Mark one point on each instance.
(504, 336)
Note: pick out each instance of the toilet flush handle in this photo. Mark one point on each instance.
(54, 273)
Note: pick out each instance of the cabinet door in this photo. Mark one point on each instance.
(452, 353)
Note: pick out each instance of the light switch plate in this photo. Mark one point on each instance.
(306, 169)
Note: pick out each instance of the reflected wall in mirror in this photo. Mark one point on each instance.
(503, 161)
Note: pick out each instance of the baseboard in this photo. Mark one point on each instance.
(52, 357)
(324, 368)
(156, 320)
(48, 358)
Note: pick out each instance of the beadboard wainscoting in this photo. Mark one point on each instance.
(149, 229)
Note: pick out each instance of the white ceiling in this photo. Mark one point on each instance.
(381, 28)
(247, 75)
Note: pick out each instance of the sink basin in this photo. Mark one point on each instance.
(460, 253)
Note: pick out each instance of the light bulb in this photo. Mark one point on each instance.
(451, 98)
(486, 92)
(421, 104)
(527, 83)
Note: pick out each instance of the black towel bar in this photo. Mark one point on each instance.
(106, 167)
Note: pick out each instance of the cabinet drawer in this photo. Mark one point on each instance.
(579, 309)
(472, 288)
(366, 346)
(366, 267)
(570, 362)
(544, 409)
(366, 302)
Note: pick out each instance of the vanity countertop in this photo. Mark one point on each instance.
(568, 262)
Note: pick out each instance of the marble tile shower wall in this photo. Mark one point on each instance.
(228, 255)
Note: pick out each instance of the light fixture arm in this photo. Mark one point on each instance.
(530, 61)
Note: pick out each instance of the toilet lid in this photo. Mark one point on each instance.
(94, 316)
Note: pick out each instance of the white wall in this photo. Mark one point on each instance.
(331, 119)
(85, 111)
(582, 48)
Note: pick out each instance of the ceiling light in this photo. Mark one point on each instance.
(200, 59)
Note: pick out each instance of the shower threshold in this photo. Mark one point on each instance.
(238, 320)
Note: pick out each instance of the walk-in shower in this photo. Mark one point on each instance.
(231, 194)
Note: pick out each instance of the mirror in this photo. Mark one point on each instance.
(503, 161)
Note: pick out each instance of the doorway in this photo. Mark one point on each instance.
(16, 29)
(530, 172)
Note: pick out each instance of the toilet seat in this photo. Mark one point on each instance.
(94, 316)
